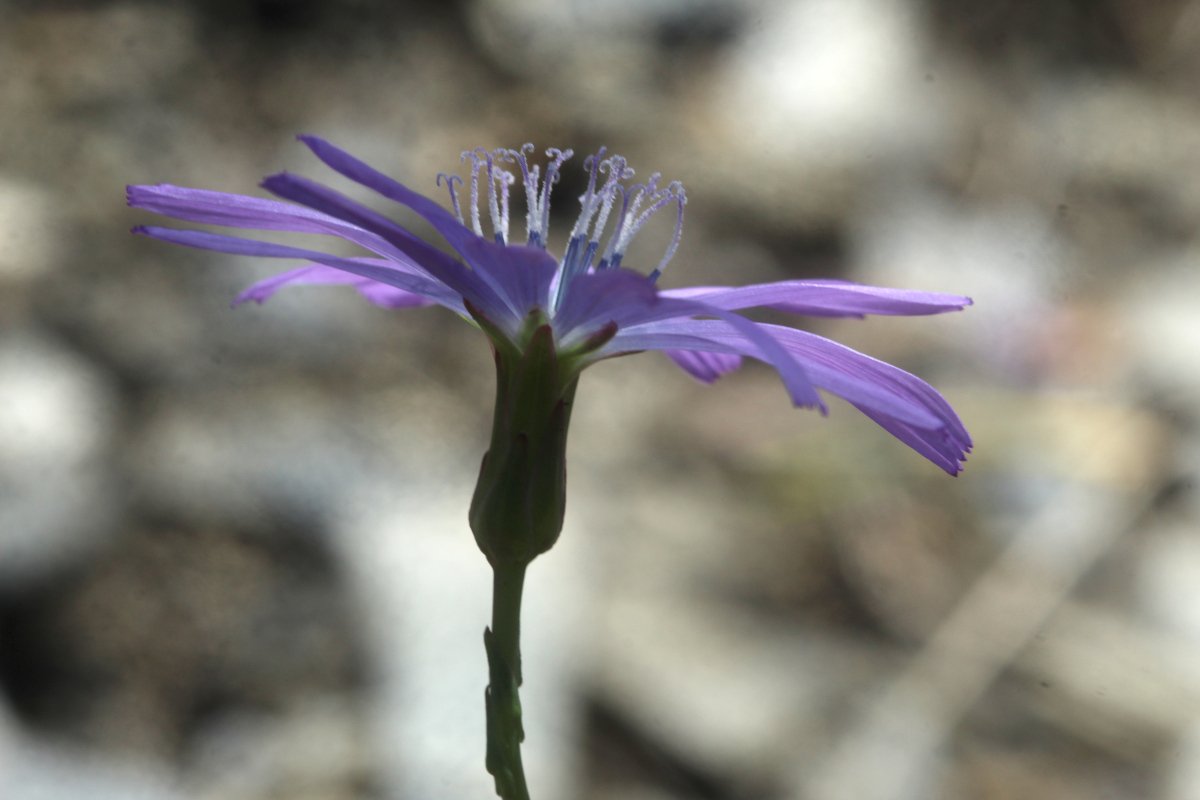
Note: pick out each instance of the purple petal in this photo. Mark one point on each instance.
(629, 299)
(440, 265)
(594, 300)
(381, 294)
(939, 446)
(710, 336)
(508, 275)
(233, 210)
(824, 298)
(903, 404)
(386, 296)
(703, 366)
(794, 376)
(522, 274)
(248, 247)
(360, 172)
(259, 213)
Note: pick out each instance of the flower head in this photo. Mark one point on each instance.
(588, 302)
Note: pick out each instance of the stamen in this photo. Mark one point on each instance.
(632, 218)
(476, 165)
(587, 200)
(450, 179)
(529, 177)
(593, 201)
(504, 179)
(619, 227)
(639, 203)
(618, 171)
(677, 236)
(641, 192)
(557, 157)
(659, 198)
(485, 158)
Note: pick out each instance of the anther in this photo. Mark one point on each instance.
(557, 157)
(504, 179)
(529, 177)
(639, 203)
(587, 200)
(476, 165)
(632, 218)
(450, 181)
(593, 201)
(617, 172)
(485, 158)
(680, 198)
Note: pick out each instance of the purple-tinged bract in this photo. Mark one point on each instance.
(594, 306)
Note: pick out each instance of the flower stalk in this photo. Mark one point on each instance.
(505, 731)
(517, 514)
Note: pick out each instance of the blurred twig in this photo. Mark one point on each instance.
(889, 752)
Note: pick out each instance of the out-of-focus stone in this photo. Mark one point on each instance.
(425, 590)
(29, 240)
(292, 445)
(1008, 258)
(169, 629)
(37, 770)
(90, 55)
(722, 688)
(56, 415)
(1183, 768)
(1168, 579)
(1161, 316)
(1125, 133)
(821, 81)
(318, 750)
(990, 770)
(1113, 681)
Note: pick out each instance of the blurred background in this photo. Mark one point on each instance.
(234, 559)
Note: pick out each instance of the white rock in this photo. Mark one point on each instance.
(1162, 321)
(426, 592)
(1168, 580)
(56, 416)
(28, 242)
(829, 80)
(32, 770)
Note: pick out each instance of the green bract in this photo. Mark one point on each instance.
(517, 510)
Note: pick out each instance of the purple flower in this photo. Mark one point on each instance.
(595, 307)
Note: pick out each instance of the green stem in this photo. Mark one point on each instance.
(504, 729)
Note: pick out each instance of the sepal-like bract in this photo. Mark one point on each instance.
(520, 498)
